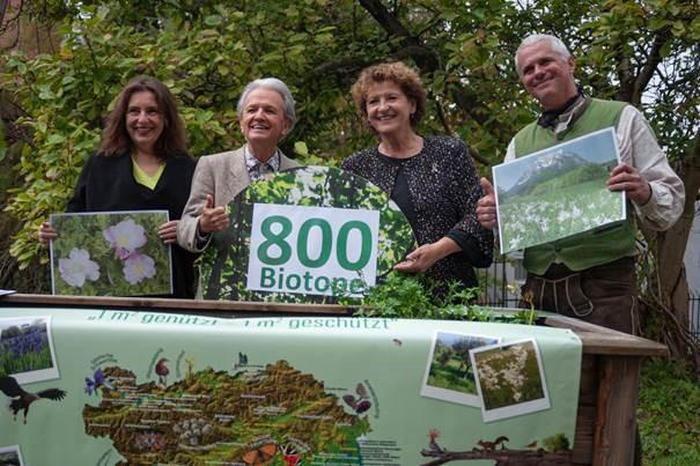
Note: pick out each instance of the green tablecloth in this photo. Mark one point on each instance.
(125, 387)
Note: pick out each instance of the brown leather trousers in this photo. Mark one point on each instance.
(604, 295)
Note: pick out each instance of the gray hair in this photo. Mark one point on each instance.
(275, 85)
(554, 42)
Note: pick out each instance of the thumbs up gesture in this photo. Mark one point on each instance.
(212, 219)
(486, 207)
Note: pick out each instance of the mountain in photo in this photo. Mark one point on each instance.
(559, 169)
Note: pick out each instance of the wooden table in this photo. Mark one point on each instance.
(610, 370)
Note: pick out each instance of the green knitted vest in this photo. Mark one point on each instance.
(596, 247)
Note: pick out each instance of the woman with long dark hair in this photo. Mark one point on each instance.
(142, 164)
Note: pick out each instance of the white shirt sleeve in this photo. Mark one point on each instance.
(510, 151)
(639, 148)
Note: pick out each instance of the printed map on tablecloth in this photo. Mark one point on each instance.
(218, 416)
(126, 388)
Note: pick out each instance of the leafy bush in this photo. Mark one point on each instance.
(669, 403)
(400, 295)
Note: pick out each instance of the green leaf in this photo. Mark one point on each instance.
(55, 139)
(213, 20)
(300, 148)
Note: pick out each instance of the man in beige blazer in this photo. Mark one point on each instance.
(266, 115)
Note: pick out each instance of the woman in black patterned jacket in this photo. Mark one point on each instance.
(432, 179)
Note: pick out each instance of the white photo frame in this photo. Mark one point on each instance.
(517, 389)
(111, 253)
(27, 335)
(453, 391)
(558, 192)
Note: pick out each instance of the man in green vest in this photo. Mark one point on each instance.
(591, 275)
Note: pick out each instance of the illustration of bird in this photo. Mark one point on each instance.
(22, 399)
(98, 380)
(290, 455)
(360, 404)
(532, 444)
(162, 371)
(397, 342)
(433, 445)
(242, 359)
(292, 460)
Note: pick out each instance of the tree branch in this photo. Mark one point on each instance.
(626, 77)
(5, 24)
(652, 62)
(476, 155)
(3, 9)
(442, 118)
(425, 58)
(388, 21)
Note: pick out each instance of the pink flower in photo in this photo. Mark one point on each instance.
(78, 267)
(138, 267)
(125, 237)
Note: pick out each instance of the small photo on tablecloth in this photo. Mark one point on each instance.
(11, 455)
(26, 349)
(449, 374)
(510, 379)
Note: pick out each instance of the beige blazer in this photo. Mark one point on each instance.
(222, 175)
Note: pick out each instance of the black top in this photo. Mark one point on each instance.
(108, 184)
(443, 189)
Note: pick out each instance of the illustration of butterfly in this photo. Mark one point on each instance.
(361, 403)
(260, 456)
(98, 380)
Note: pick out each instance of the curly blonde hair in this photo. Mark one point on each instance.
(399, 73)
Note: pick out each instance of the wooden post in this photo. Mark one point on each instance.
(618, 388)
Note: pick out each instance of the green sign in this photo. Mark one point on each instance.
(310, 234)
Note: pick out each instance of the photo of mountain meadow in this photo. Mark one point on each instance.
(557, 192)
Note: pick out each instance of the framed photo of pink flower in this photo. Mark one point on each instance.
(110, 254)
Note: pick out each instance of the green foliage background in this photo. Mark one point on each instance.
(206, 51)
(85, 231)
(669, 403)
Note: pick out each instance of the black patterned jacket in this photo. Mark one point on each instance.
(444, 189)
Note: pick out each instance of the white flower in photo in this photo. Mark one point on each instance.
(125, 237)
(78, 267)
(137, 267)
(510, 374)
(563, 216)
